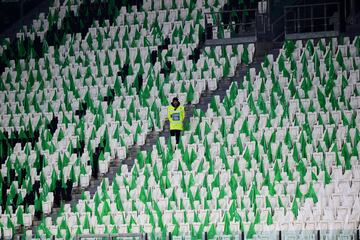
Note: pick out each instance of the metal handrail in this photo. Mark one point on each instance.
(278, 19)
(311, 5)
(306, 19)
(276, 22)
(142, 236)
(235, 10)
(111, 236)
(278, 36)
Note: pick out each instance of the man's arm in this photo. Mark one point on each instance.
(182, 113)
(169, 115)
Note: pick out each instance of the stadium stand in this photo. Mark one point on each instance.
(68, 114)
(270, 150)
(268, 157)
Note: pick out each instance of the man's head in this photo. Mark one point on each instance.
(175, 102)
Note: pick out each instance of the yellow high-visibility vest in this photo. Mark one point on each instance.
(176, 117)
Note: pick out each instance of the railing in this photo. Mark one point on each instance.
(230, 24)
(129, 236)
(277, 29)
(353, 233)
(312, 20)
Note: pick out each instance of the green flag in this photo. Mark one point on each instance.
(295, 208)
(311, 193)
(245, 56)
(19, 216)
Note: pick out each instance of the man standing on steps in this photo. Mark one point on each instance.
(176, 115)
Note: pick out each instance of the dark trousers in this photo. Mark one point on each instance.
(177, 134)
